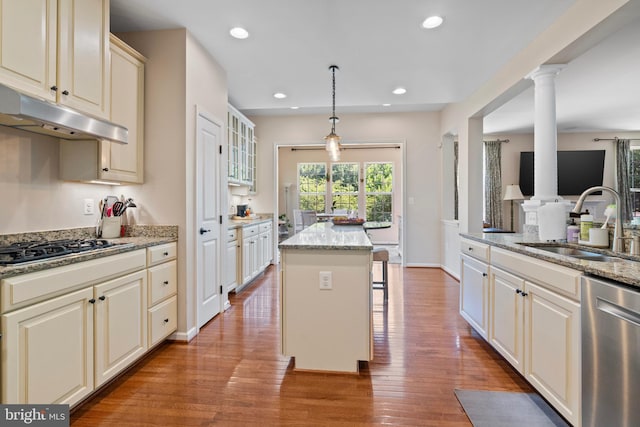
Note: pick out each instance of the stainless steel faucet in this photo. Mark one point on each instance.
(618, 231)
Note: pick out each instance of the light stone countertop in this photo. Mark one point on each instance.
(240, 223)
(626, 269)
(325, 235)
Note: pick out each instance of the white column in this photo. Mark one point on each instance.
(545, 136)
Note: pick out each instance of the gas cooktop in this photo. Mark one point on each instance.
(21, 252)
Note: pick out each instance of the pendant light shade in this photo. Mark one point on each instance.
(332, 141)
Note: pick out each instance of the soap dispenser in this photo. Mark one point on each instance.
(573, 232)
(586, 222)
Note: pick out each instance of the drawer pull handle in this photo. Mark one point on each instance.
(165, 253)
(102, 298)
(166, 282)
(92, 301)
(518, 291)
(524, 294)
(166, 320)
(54, 88)
(484, 274)
(65, 92)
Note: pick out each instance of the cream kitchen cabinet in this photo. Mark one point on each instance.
(68, 330)
(48, 351)
(231, 263)
(536, 328)
(120, 324)
(265, 245)
(250, 253)
(102, 160)
(162, 313)
(241, 149)
(57, 50)
(474, 285)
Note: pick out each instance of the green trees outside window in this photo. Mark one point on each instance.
(379, 191)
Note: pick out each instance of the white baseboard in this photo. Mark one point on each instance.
(451, 272)
(184, 336)
(420, 264)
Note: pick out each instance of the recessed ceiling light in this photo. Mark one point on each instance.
(294, 108)
(386, 105)
(279, 95)
(432, 22)
(399, 91)
(239, 33)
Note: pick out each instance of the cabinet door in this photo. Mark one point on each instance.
(506, 316)
(474, 293)
(231, 265)
(247, 262)
(124, 162)
(28, 37)
(121, 324)
(83, 35)
(233, 142)
(47, 351)
(552, 349)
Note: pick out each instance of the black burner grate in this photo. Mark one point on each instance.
(21, 252)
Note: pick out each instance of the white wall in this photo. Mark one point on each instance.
(420, 133)
(33, 198)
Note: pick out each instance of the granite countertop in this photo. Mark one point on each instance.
(325, 235)
(139, 237)
(625, 269)
(239, 223)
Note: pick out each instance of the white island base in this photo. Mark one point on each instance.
(326, 327)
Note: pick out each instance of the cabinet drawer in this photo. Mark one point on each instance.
(161, 253)
(265, 227)
(477, 250)
(163, 320)
(555, 277)
(250, 231)
(163, 282)
(232, 234)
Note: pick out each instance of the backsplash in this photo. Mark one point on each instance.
(165, 231)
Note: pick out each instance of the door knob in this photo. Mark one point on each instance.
(202, 230)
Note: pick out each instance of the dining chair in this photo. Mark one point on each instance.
(297, 221)
(308, 218)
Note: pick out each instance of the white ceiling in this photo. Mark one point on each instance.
(380, 44)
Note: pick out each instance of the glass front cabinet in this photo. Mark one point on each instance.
(242, 150)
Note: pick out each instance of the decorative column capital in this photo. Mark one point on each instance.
(545, 70)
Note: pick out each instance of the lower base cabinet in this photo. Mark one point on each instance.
(61, 349)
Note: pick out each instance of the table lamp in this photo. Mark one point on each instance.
(513, 193)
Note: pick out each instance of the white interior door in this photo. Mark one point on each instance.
(209, 278)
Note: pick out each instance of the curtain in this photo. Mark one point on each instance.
(493, 183)
(455, 179)
(622, 166)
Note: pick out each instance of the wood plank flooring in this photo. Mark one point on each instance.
(232, 373)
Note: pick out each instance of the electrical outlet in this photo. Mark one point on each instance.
(325, 280)
(88, 206)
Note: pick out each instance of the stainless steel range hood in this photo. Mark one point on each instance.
(25, 112)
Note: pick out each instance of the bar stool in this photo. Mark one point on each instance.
(381, 254)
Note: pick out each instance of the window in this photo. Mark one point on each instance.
(312, 186)
(634, 176)
(379, 191)
(345, 178)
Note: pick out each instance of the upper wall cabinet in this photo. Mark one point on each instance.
(57, 50)
(242, 150)
(110, 161)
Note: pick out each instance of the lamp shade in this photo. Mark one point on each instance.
(513, 192)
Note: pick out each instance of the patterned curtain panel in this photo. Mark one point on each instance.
(493, 183)
(622, 159)
(455, 179)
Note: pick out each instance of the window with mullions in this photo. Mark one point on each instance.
(378, 191)
(345, 179)
(634, 176)
(312, 186)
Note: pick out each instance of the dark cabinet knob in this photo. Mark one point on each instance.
(202, 230)
(484, 275)
(105, 169)
(92, 301)
(54, 88)
(165, 253)
(524, 294)
(518, 291)
(102, 298)
(166, 320)
(470, 249)
(65, 92)
(166, 282)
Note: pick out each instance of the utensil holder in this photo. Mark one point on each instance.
(111, 227)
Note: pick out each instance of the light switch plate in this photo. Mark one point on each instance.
(325, 280)
(88, 207)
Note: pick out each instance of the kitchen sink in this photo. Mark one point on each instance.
(576, 253)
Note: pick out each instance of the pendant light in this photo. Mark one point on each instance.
(332, 141)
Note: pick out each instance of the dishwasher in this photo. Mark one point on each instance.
(610, 317)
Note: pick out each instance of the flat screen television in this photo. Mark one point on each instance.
(577, 171)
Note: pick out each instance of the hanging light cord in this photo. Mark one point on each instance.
(333, 97)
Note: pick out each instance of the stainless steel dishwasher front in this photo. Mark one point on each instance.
(610, 354)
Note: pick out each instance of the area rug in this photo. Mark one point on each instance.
(507, 409)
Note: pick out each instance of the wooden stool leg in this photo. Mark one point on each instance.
(385, 280)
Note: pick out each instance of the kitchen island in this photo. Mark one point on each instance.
(325, 291)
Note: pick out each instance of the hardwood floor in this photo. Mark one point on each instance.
(232, 373)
